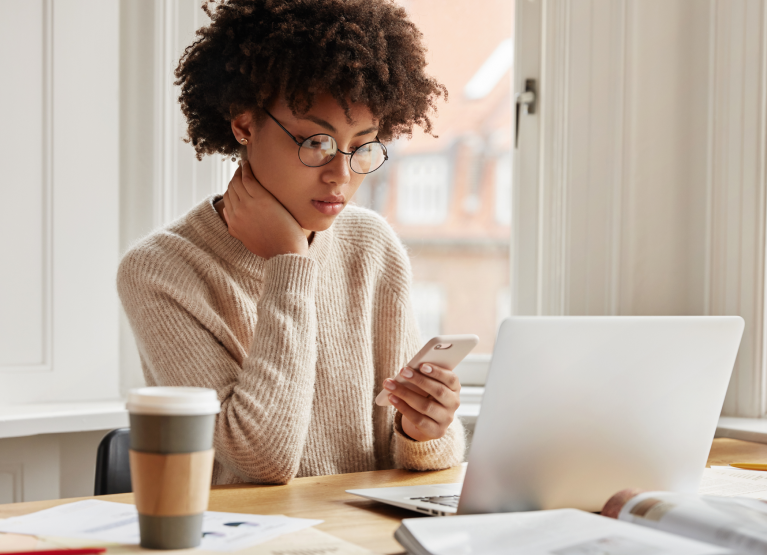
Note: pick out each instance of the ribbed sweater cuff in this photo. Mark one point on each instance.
(290, 273)
(436, 454)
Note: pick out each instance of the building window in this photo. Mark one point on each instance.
(428, 303)
(495, 68)
(423, 190)
(447, 194)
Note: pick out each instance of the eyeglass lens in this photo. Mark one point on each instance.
(321, 149)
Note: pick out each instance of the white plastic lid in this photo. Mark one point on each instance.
(182, 401)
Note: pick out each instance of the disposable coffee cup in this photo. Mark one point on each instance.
(171, 462)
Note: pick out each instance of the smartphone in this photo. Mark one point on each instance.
(443, 350)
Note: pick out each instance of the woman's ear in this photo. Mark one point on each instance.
(242, 128)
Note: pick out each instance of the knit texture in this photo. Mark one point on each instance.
(297, 347)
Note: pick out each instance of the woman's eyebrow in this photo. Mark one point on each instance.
(326, 125)
(366, 131)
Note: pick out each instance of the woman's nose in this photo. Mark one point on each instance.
(338, 170)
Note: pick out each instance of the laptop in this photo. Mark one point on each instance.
(578, 408)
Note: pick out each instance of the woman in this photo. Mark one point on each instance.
(289, 302)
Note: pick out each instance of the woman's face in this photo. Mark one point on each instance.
(314, 196)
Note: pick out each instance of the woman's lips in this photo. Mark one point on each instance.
(328, 208)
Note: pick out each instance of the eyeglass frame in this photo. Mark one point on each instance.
(349, 154)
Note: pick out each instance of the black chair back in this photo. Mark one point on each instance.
(113, 463)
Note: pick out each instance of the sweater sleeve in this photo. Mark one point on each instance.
(266, 398)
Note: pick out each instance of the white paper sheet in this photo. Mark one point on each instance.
(118, 523)
(727, 481)
(309, 541)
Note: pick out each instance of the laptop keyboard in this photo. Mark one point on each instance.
(446, 500)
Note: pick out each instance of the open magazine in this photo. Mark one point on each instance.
(633, 522)
(555, 532)
(738, 523)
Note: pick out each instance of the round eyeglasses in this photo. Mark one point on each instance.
(320, 149)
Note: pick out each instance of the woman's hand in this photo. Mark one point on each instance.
(258, 219)
(426, 417)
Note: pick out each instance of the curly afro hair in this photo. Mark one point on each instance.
(359, 51)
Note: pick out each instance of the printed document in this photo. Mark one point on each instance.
(728, 481)
(110, 522)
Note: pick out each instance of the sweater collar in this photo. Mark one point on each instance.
(215, 233)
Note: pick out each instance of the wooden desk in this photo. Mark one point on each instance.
(365, 523)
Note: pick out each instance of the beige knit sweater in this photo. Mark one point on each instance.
(296, 347)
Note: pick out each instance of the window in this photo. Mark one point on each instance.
(428, 303)
(449, 198)
(422, 190)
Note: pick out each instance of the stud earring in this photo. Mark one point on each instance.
(244, 141)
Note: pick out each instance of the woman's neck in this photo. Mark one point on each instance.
(219, 206)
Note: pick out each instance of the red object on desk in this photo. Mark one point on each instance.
(84, 551)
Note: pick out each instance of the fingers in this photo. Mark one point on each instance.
(249, 185)
(238, 187)
(442, 375)
(392, 386)
(411, 386)
(424, 423)
(249, 181)
(230, 200)
(427, 406)
(259, 220)
(443, 385)
(247, 171)
(428, 417)
(615, 504)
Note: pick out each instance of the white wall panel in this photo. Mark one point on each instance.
(663, 243)
(11, 483)
(69, 113)
(48, 466)
(737, 189)
(30, 469)
(86, 194)
(623, 173)
(25, 316)
(77, 467)
(650, 192)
